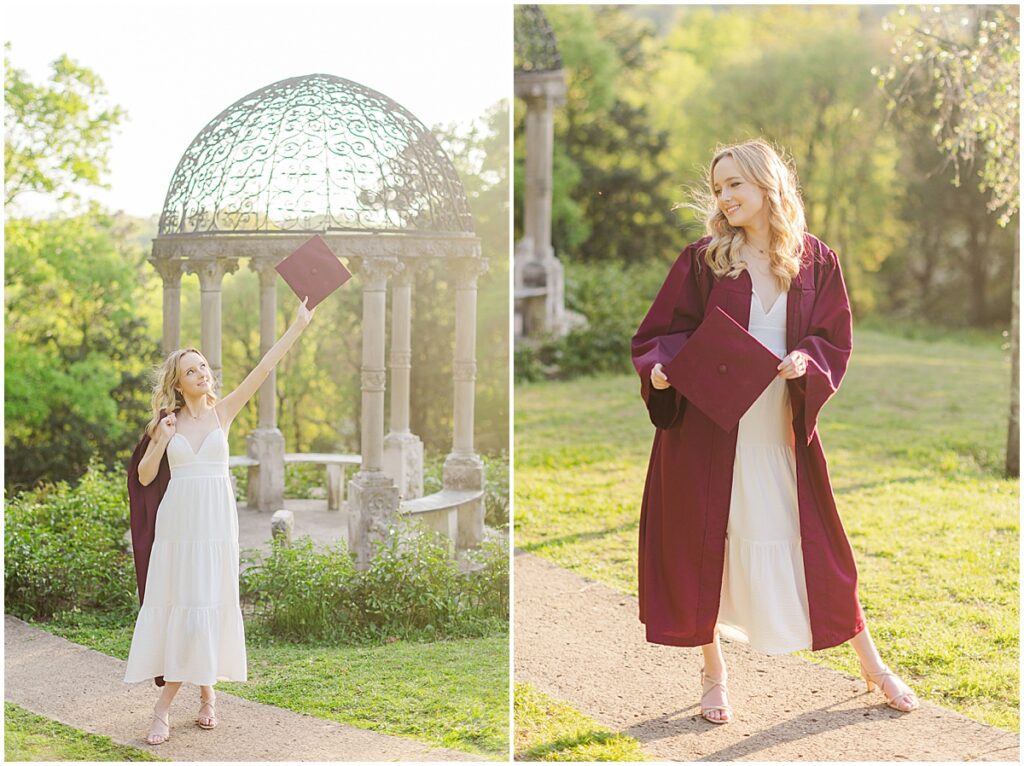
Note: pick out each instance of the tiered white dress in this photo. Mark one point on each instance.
(190, 625)
(764, 594)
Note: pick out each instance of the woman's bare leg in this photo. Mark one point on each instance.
(903, 698)
(207, 716)
(714, 667)
(160, 732)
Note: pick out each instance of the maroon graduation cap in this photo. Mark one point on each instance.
(313, 270)
(722, 369)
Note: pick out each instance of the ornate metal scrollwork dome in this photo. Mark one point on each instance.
(536, 47)
(315, 153)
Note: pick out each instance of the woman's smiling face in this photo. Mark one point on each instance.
(194, 376)
(739, 199)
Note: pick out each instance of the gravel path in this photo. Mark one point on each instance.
(581, 642)
(82, 688)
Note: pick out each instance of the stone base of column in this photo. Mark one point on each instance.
(372, 508)
(467, 472)
(403, 462)
(266, 481)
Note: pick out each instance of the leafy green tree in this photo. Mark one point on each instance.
(608, 184)
(961, 67)
(75, 345)
(57, 134)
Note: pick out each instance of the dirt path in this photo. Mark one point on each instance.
(581, 642)
(83, 688)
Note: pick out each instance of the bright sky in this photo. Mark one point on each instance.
(174, 66)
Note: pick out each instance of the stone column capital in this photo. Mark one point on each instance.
(376, 270)
(211, 271)
(169, 269)
(266, 271)
(407, 274)
(467, 271)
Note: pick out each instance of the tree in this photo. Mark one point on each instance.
(608, 186)
(965, 63)
(56, 135)
(76, 344)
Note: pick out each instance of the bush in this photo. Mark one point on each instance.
(412, 589)
(296, 592)
(614, 298)
(65, 547)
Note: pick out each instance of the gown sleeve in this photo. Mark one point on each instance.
(676, 312)
(828, 343)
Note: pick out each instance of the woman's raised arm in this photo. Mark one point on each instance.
(232, 404)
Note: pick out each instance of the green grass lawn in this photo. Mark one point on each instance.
(547, 730)
(31, 737)
(915, 440)
(448, 693)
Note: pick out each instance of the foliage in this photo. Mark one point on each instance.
(412, 588)
(687, 79)
(609, 182)
(56, 135)
(64, 548)
(76, 344)
(964, 63)
(614, 297)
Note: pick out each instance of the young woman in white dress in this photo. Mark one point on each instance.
(764, 599)
(189, 628)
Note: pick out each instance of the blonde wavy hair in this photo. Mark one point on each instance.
(763, 166)
(165, 380)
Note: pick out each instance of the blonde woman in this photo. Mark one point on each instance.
(739, 532)
(189, 628)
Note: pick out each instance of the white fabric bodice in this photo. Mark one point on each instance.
(211, 459)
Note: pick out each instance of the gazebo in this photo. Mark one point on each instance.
(319, 154)
(540, 82)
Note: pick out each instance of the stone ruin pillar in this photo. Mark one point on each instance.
(372, 495)
(211, 274)
(403, 450)
(463, 468)
(170, 270)
(266, 442)
(538, 275)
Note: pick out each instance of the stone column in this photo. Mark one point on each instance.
(403, 450)
(170, 270)
(266, 443)
(540, 141)
(372, 494)
(541, 296)
(463, 468)
(211, 274)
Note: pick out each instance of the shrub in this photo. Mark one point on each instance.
(411, 589)
(298, 592)
(65, 547)
(614, 297)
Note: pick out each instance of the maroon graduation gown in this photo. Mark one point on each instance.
(143, 502)
(686, 499)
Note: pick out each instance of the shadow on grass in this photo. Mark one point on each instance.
(585, 739)
(576, 537)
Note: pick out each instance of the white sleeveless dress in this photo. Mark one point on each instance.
(764, 594)
(190, 625)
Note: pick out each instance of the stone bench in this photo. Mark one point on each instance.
(530, 292)
(336, 467)
(458, 514)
